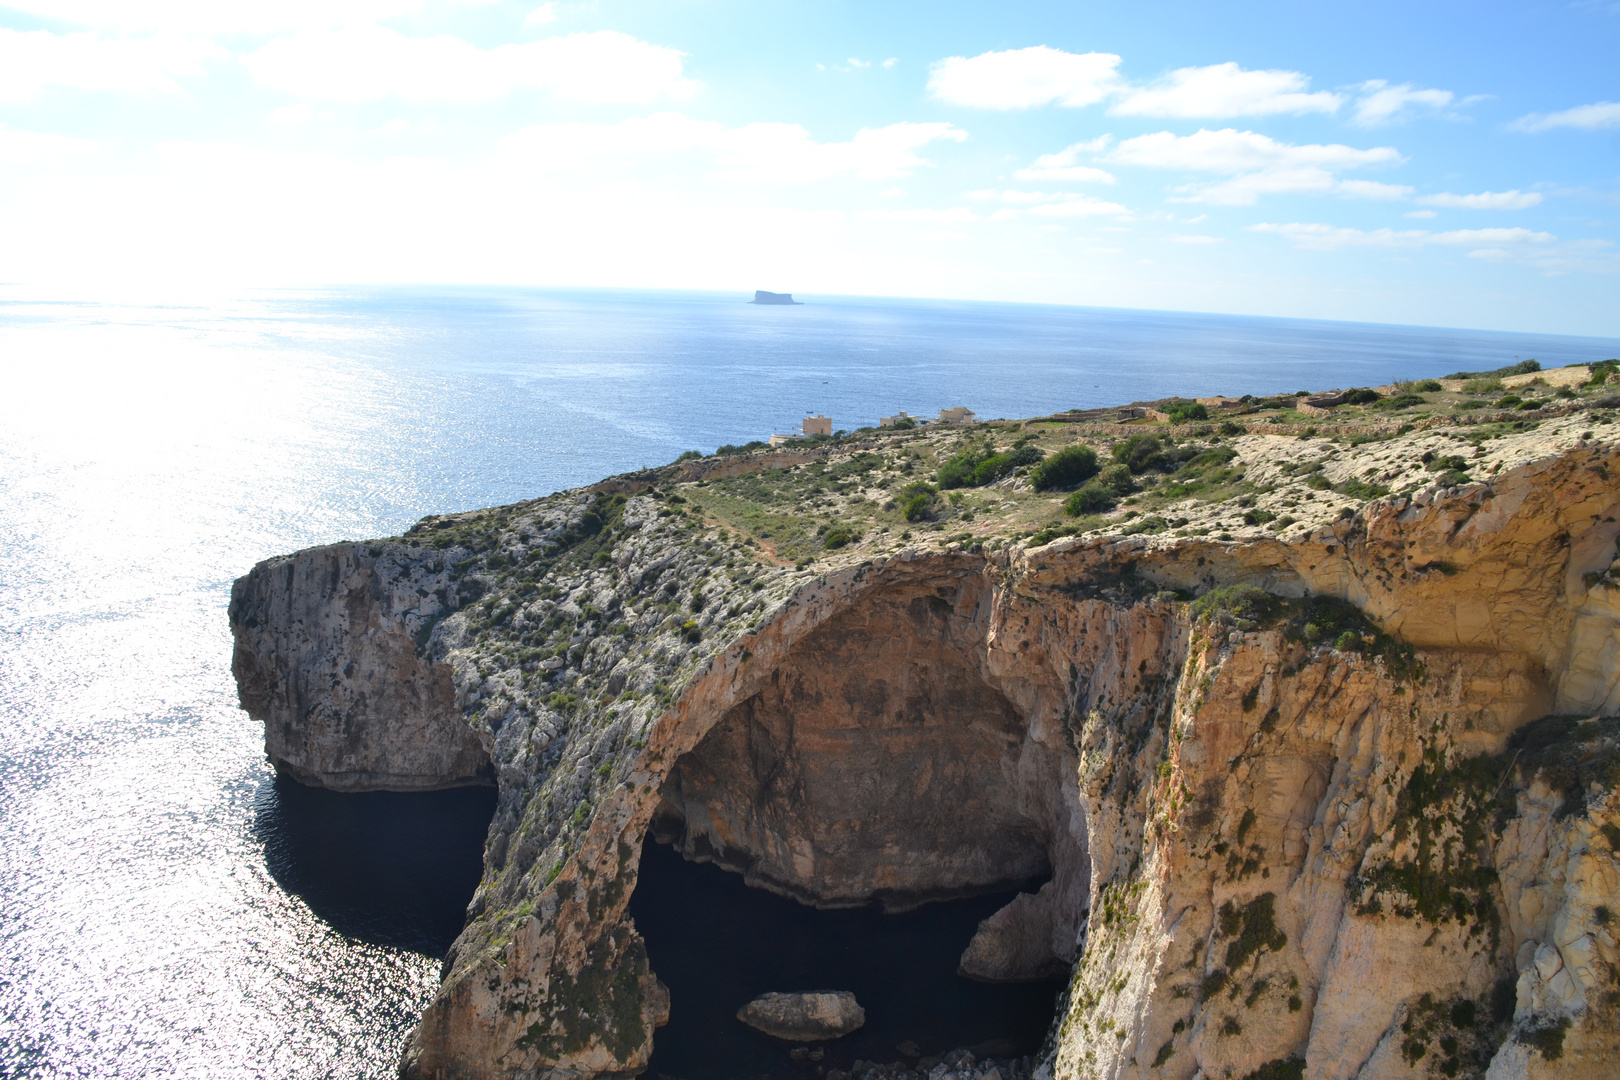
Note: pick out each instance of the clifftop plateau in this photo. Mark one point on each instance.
(1308, 718)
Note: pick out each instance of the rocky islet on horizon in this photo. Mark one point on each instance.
(1310, 719)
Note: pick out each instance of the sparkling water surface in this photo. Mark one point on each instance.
(166, 908)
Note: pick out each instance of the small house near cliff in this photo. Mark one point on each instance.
(899, 419)
(813, 425)
(961, 416)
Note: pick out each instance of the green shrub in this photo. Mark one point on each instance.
(1117, 479)
(1547, 1037)
(916, 501)
(1259, 929)
(839, 536)
(688, 456)
(1508, 401)
(1524, 367)
(1280, 1069)
(1402, 401)
(1238, 602)
(1361, 489)
(957, 471)
(1229, 429)
(996, 466)
(1139, 453)
(1069, 467)
(1093, 498)
(1428, 386)
(1186, 411)
(1361, 397)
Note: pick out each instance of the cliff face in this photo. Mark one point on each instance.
(330, 659)
(1336, 802)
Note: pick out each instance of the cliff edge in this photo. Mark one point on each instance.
(1311, 726)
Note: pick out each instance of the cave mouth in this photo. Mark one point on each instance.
(395, 869)
(880, 803)
(717, 944)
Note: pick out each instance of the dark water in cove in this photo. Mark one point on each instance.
(388, 868)
(718, 944)
(166, 908)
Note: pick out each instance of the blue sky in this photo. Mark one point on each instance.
(1442, 164)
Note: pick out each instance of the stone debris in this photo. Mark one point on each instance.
(806, 1017)
(958, 1064)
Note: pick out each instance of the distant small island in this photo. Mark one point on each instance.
(763, 297)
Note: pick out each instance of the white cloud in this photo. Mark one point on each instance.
(372, 63)
(295, 115)
(200, 17)
(1380, 103)
(1083, 173)
(1041, 75)
(1421, 215)
(1256, 164)
(1062, 205)
(40, 149)
(1233, 151)
(858, 63)
(1372, 189)
(540, 16)
(1602, 114)
(761, 152)
(956, 215)
(1222, 90)
(1064, 165)
(891, 61)
(1484, 200)
(1319, 237)
(1195, 239)
(1024, 78)
(33, 60)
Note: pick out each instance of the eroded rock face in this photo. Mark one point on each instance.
(876, 762)
(1263, 847)
(330, 657)
(804, 1017)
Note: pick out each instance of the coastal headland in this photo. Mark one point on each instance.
(1305, 708)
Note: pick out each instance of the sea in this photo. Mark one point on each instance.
(167, 907)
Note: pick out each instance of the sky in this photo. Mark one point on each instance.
(1439, 163)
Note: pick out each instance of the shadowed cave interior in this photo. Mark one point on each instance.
(890, 798)
(717, 944)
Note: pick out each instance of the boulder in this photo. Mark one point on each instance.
(804, 1017)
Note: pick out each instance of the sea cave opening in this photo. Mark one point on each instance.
(878, 818)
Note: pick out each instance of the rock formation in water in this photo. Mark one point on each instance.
(1314, 735)
(804, 1017)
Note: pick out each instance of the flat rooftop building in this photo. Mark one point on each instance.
(960, 415)
(897, 419)
(818, 425)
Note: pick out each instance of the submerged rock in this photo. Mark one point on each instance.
(804, 1017)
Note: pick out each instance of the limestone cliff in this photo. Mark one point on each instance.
(1323, 777)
